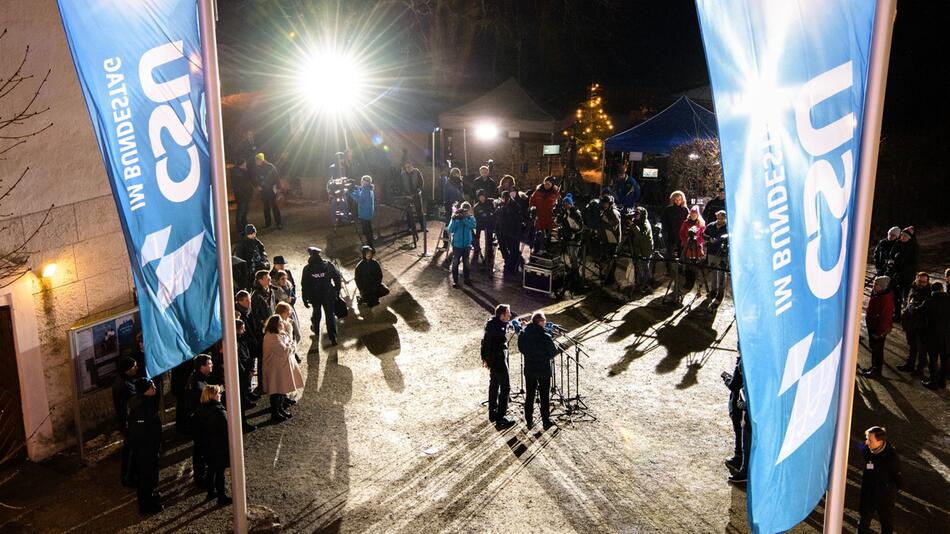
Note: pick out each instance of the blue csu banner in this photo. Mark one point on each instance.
(788, 79)
(139, 65)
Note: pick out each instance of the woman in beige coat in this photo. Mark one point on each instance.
(281, 372)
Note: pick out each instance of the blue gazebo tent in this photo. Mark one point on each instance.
(682, 122)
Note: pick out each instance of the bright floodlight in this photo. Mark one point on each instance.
(331, 82)
(486, 132)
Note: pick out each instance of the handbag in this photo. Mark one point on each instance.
(340, 309)
(383, 290)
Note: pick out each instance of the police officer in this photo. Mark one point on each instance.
(538, 349)
(321, 285)
(882, 478)
(123, 389)
(495, 359)
(145, 429)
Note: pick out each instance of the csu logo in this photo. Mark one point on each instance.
(816, 388)
(176, 268)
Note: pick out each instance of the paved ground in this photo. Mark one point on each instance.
(389, 434)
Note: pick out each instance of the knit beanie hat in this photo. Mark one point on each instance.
(909, 231)
(883, 282)
(894, 232)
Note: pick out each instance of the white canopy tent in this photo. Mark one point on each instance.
(507, 107)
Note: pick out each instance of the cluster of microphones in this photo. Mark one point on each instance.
(518, 323)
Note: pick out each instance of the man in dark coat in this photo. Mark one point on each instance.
(369, 277)
(123, 389)
(715, 204)
(484, 211)
(145, 430)
(884, 252)
(245, 371)
(199, 378)
(485, 183)
(269, 180)
(250, 249)
(880, 482)
(914, 321)
(906, 257)
(243, 185)
(321, 286)
(411, 179)
(538, 349)
(494, 352)
(937, 311)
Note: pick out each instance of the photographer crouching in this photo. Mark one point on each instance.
(494, 354)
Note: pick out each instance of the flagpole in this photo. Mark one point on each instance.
(885, 12)
(232, 390)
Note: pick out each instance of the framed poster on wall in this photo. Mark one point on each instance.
(96, 347)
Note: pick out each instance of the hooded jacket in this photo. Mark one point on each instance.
(369, 276)
(461, 230)
(365, 198)
(642, 235)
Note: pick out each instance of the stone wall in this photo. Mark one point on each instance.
(82, 234)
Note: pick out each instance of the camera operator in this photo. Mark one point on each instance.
(485, 225)
(508, 227)
(412, 183)
(694, 247)
(610, 235)
(570, 232)
(717, 237)
(741, 425)
(642, 236)
(884, 252)
(461, 227)
(538, 349)
(494, 352)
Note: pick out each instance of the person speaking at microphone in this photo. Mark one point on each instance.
(495, 359)
(537, 347)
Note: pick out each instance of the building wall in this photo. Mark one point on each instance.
(81, 235)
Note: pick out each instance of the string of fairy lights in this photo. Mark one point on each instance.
(590, 128)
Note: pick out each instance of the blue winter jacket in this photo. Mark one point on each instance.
(365, 202)
(461, 230)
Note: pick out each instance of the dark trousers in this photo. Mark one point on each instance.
(542, 385)
(241, 216)
(489, 245)
(916, 352)
(147, 438)
(746, 441)
(321, 308)
(128, 460)
(270, 206)
(199, 461)
(498, 390)
(367, 225)
(885, 514)
(460, 255)
(877, 351)
(735, 414)
(215, 481)
(938, 367)
(512, 253)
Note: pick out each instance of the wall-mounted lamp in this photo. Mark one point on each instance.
(49, 270)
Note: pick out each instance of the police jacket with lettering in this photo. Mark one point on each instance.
(538, 349)
(882, 473)
(320, 280)
(495, 343)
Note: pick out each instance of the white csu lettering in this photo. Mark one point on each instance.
(816, 387)
(164, 117)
